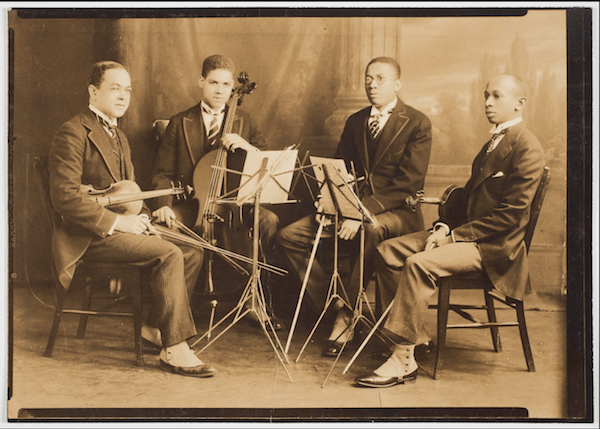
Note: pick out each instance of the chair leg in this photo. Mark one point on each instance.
(61, 295)
(136, 297)
(86, 304)
(491, 311)
(442, 322)
(524, 336)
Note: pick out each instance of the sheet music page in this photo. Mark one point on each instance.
(277, 186)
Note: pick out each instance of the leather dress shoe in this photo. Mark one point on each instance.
(420, 350)
(332, 349)
(200, 371)
(277, 325)
(375, 380)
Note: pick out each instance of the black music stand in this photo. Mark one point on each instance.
(330, 210)
(348, 200)
(250, 192)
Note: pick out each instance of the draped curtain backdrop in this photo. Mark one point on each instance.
(309, 75)
(290, 60)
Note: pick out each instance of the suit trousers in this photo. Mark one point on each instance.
(297, 240)
(408, 275)
(174, 270)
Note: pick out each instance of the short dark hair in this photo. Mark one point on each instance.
(98, 70)
(215, 62)
(387, 60)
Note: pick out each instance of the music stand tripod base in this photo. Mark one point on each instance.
(253, 292)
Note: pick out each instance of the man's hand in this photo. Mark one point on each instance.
(234, 141)
(135, 224)
(319, 217)
(349, 229)
(165, 214)
(437, 239)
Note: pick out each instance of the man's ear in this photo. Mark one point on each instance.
(397, 85)
(201, 82)
(521, 101)
(92, 91)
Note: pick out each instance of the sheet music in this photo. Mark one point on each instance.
(279, 174)
(327, 202)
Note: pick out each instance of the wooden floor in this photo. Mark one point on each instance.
(96, 378)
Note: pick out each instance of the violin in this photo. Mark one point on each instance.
(452, 204)
(126, 197)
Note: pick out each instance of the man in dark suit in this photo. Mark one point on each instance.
(193, 133)
(389, 144)
(503, 182)
(90, 150)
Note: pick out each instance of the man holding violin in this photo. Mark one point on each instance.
(191, 138)
(90, 150)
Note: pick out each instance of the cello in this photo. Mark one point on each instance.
(221, 224)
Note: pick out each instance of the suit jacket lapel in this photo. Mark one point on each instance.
(193, 130)
(361, 139)
(393, 127)
(101, 140)
(497, 155)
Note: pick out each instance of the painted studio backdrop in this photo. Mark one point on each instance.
(309, 76)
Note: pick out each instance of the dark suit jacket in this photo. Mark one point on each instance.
(183, 146)
(81, 153)
(500, 193)
(399, 165)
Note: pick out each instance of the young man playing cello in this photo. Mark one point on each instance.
(195, 132)
(90, 150)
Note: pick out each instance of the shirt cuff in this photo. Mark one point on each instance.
(112, 229)
(439, 225)
(452, 235)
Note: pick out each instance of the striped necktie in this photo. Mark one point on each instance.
(490, 144)
(374, 125)
(213, 129)
(114, 136)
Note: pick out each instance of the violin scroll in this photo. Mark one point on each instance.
(415, 203)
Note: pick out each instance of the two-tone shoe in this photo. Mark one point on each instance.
(374, 380)
(202, 371)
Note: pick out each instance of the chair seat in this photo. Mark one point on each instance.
(129, 276)
(472, 280)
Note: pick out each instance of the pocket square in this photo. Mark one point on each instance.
(498, 174)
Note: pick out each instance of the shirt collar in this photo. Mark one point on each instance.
(207, 108)
(386, 109)
(498, 128)
(113, 122)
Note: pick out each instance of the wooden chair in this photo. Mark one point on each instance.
(480, 281)
(96, 275)
(159, 126)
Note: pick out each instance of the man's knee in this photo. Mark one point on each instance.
(269, 223)
(283, 236)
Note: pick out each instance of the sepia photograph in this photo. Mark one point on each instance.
(299, 214)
